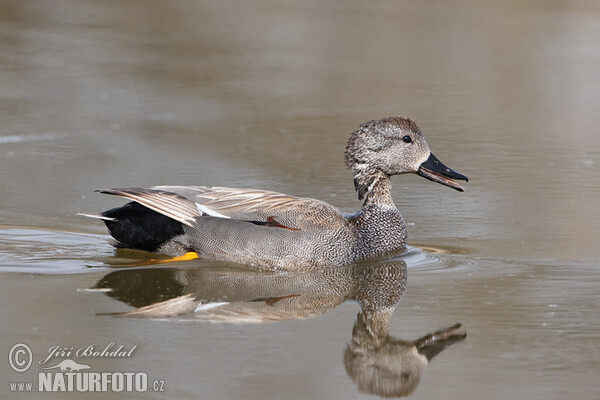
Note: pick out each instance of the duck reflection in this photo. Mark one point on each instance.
(391, 367)
(378, 363)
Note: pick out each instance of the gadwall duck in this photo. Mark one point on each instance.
(276, 231)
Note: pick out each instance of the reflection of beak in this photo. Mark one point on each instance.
(433, 344)
(434, 170)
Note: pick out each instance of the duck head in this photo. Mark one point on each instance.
(392, 146)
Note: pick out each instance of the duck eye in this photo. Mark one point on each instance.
(407, 139)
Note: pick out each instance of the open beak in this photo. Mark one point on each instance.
(433, 344)
(434, 170)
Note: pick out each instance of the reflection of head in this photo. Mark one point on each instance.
(379, 364)
(389, 367)
(393, 370)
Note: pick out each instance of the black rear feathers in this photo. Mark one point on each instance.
(137, 227)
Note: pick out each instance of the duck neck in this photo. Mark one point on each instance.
(375, 190)
(372, 329)
(380, 228)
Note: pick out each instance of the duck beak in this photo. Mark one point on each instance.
(434, 170)
(433, 344)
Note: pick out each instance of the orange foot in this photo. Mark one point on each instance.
(192, 255)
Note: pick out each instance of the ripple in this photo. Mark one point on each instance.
(31, 137)
(438, 258)
(35, 250)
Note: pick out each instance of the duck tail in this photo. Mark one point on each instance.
(95, 216)
(134, 226)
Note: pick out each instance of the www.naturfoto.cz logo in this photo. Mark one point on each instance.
(68, 375)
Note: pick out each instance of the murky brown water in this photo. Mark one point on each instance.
(264, 94)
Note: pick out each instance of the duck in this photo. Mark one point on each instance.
(276, 231)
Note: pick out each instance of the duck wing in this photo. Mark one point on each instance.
(262, 207)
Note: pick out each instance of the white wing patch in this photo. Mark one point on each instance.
(209, 212)
(208, 306)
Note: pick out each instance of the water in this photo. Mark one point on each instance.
(112, 94)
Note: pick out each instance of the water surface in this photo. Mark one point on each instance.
(112, 94)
